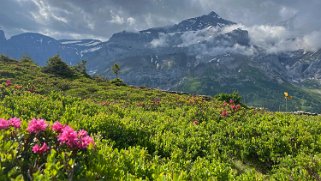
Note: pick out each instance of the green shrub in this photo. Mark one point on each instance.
(57, 67)
(235, 96)
(118, 82)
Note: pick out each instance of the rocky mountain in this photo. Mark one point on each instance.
(40, 47)
(201, 55)
(208, 55)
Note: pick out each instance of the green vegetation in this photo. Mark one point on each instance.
(57, 67)
(256, 88)
(146, 134)
(116, 69)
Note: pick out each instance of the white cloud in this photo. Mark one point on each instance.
(219, 50)
(160, 42)
(131, 21)
(195, 37)
(45, 13)
(311, 41)
(116, 19)
(287, 12)
(276, 39)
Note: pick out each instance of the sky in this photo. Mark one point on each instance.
(79, 19)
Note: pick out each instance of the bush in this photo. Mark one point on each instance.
(54, 151)
(118, 82)
(235, 96)
(57, 67)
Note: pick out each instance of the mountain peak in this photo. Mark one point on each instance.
(201, 22)
(213, 14)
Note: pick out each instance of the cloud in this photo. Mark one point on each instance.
(194, 37)
(131, 21)
(161, 41)
(46, 13)
(214, 40)
(117, 20)
(93, 18)
(275, 39)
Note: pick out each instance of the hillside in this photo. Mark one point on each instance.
(146, 134)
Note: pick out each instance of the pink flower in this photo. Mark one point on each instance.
(225, 103)
(233, 107)
(4, 124)
(40, 149)
(82, 133)
(74, 139)
(8, 83)
(84, 142)
(15, 122)
(224, 113)
(58, 127)
(231, 101)
(37, 125)
(238, 107)
(68, 136)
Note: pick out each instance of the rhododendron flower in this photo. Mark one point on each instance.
(37, 125)
(15, 122)
(225, 103)
(236, 107)
(4, 124)
(68, 136)
(57, 127)
(224, 113)
(84, 142)
(82, 133)
(73, 139)
(231, 101)
(40, 149)
(8, 83)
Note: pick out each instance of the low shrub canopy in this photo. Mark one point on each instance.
(143, 134)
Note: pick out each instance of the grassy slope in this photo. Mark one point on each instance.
(150, 134)
(258, 90)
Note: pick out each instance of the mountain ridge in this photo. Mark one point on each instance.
(203, 55)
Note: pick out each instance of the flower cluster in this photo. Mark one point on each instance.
(8, 83)
(12, 122)
(37, 125)
(40, 149)
(65, 134)
(230, 106)
(224, 113)
(72, 138)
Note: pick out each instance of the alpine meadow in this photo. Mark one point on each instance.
(164, 90)
(94, 129)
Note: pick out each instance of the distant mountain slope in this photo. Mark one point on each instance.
(208, 55)
(201, 55)
(40, 47)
